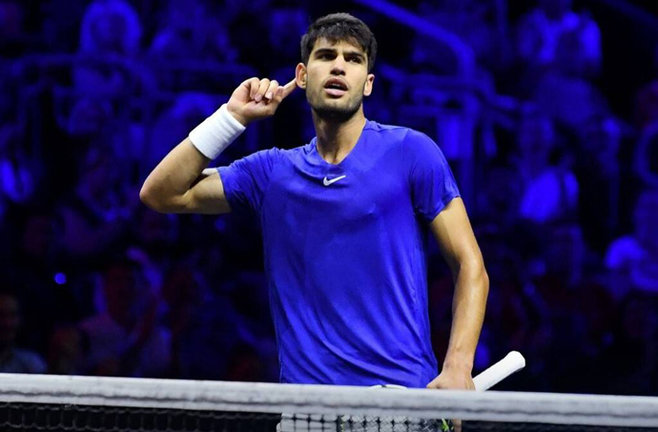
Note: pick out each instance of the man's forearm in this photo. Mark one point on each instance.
(165, 188)
(468, 308)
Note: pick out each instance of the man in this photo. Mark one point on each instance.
(343, 222)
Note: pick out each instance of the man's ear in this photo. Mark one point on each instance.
(300, 75)
(367, 88)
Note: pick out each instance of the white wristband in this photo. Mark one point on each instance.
(216, 133)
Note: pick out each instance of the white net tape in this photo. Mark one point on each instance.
(354, 402)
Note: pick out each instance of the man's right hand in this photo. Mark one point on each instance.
(178, 184)
(257, 98)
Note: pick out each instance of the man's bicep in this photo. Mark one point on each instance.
(207, 195)
(453, 232)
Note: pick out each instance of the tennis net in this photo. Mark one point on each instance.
(76, 403)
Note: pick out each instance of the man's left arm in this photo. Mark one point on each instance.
(454, 233)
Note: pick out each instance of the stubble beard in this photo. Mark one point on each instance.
(338, 113)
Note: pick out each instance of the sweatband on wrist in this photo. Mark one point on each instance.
(216, 133)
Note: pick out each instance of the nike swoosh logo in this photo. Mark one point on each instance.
(327, 182)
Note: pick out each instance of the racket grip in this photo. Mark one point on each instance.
(497, 372)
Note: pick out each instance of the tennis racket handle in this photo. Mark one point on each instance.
(497, 372)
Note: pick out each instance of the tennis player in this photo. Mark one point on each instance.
(344, 219)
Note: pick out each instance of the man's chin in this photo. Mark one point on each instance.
(335, 113)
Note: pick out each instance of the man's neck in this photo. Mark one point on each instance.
(337, 138)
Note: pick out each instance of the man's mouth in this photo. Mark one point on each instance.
(335, 87)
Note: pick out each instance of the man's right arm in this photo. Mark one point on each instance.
(179, 184)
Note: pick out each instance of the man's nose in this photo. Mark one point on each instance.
(338, 66)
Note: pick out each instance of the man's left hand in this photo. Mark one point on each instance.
(454, 379)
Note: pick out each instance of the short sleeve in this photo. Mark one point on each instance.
(433, 185)
(246, 179)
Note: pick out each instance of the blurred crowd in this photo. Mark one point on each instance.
(555, 147)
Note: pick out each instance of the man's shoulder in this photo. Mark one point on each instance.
(299, 150)
(279, 155)
(269, 157)
(410, 140)
(386, 129)
(396, 134)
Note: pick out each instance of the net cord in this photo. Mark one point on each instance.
(603, 410)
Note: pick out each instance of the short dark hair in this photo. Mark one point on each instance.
(340, 27)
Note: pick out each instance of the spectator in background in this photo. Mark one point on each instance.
(561, 51)
(97, 214)
(550, 189)
(472, 21)
(633, 258)
(191, 47)
(125, 337)
(94, 121)
(564, 93)
(89, 119)
(542, 32)
(110, 27)
(13, 359)
(109, 37)
(190, 31)
(107, 77)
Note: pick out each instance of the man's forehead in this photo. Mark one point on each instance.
(341, 44)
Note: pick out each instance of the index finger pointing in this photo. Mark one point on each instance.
(289, 88)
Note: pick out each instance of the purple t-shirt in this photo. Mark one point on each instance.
(345, 254)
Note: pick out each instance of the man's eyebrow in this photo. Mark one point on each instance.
(355, 54)
(324, 51)
(320, 51)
